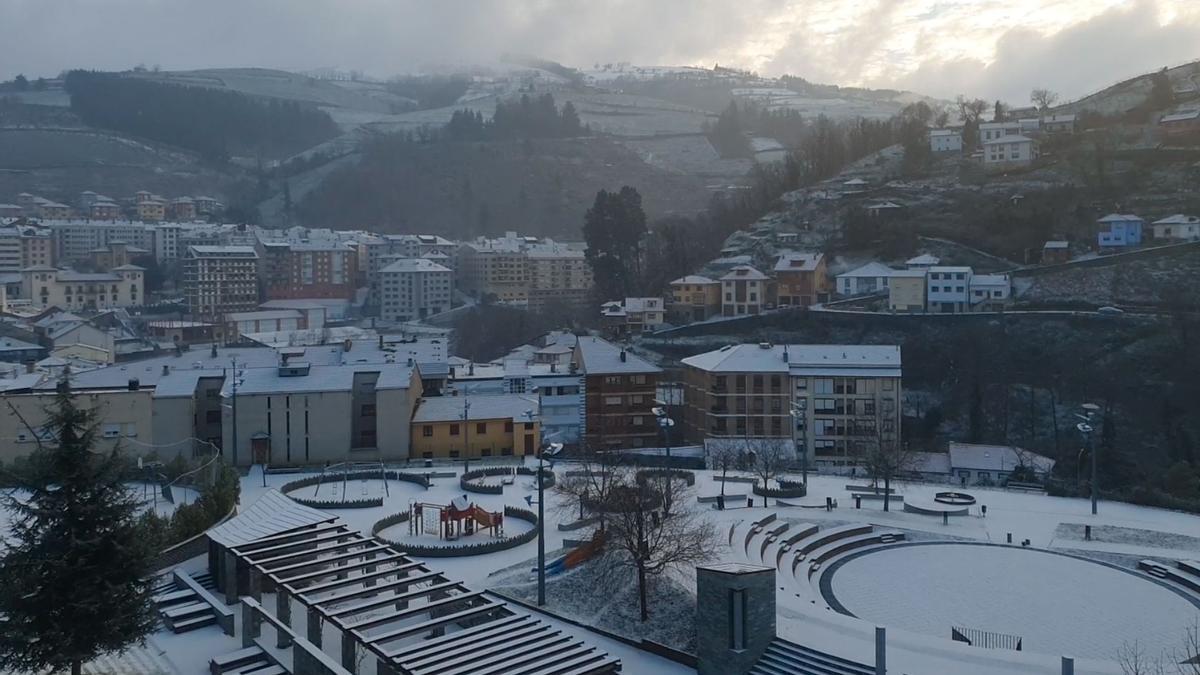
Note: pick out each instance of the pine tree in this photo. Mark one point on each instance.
(75, 575)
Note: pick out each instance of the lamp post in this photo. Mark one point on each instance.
(665, 423)
(466, 415)
(797, 411)
(1085, 428)
(233, 402)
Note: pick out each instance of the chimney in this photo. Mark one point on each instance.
(381, 341)
(30, 366)
(785, 354)
(553, 367)
(410, 362)
(471, 368)
(166, 369)
(622, 356)
(347, 345)
(134, 384)
(214, 351)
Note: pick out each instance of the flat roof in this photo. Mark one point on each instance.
(488, 407)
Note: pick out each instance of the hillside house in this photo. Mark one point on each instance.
(1009, 150)
(945, 140)
(1176, 126)
(1177, 227)
(1059, 124)
(743, 291)
(1055, 252)
(632, 316)
(922, 262)
(948, 289)
(870, 278)
(1119, 230)
(975, 464)
(989, 292)
(883, 209)
(990, 131)
(695, 297)
(906, 291)
(801, 279)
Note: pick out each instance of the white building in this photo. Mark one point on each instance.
(743, 291)
(945, 140)
(949, 289)
(869, 278)
(990, 131)
(414, 288)
(1009, 150)
(989, 290)
(922, 262)
(1177, 226)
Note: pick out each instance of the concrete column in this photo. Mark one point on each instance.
(283, 611)
(314, 626)
(880, 650)
(229, 577)
(1068, 665)
(384, 667)
(255, 586)
(251, 625)
(349, 652)
(735, 617)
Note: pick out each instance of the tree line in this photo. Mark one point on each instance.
(526, 117)
(214, 123)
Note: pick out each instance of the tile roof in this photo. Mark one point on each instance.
(600, 357)
(792, 261)
(870, 270)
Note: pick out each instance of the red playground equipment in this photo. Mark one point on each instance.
(459, 518)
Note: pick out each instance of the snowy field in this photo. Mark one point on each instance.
(150, 497)
(1057, 604)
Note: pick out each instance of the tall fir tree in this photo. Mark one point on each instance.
(75, 578)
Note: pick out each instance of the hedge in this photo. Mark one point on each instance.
(454, 551)
(366, 503)
(577, 524)
(686, 476)
(787, 490)
(468, 484)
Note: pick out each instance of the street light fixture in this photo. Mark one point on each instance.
(797, 411)
(553, 449)
(1085, 428)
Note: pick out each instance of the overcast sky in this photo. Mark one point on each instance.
(988, 48)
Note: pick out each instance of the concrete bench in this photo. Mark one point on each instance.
(824, 537)
(835, 548)
(235, 660)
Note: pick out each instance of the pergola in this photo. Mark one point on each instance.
(413, 620)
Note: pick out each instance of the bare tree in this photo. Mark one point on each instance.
(642, 538)
(723, 457)
(1043, 98)
(768, 457)
(1134, 661)
(884, 459)
(592, 482)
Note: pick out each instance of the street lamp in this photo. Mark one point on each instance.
(1085, 428)
(797, 411)
(553, 449)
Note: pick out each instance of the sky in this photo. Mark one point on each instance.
(995, 49)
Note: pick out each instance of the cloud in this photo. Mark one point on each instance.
(1080, 59)
(941, 47)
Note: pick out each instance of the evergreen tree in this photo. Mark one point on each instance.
(75, 578)
(613, 229)
(21, 82)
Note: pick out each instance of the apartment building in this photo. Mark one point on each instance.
(558, 273)
(523, 270)
(476, 426)
(76, 239)
(801, 279)
(620, 390)
(379, 251)
(414, 288)
(695, 297)
(834, 401)
(906, 291)
(484, 269)
(220, 279)
(743, 291)
(292, 270)
(46, 286)
(949, 289)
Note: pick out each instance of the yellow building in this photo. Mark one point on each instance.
(121, 286)
(476, 426)
(906, 291)
(124, 417)
(695, 297)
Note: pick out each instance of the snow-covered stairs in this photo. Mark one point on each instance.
(248, 661)
(788, 658)
(181, 608)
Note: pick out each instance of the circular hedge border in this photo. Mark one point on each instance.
(468, 481)
(954, 498)
(454, 551)
(366, 503)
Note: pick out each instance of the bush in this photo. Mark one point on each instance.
(787, 490)
(454, 551)
(369, 502)
(676, 474)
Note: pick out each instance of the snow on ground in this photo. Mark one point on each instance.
(1056, 603)
(803, 615)
(150, 496)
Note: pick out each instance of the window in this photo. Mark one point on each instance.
(110, 430)
(508, 426)
(481, 427)
(612, 379)
(823, 386)
(212, 416)
(826, 405)
(453, 429)
(889, 385)
(368, 410)
(529, 426)
(637, 420)
(427, 431)
(737, 619)
(823, 427)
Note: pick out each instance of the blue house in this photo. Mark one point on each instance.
(1119, 230)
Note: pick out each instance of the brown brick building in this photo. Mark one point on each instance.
(292, 270)
(619, 392)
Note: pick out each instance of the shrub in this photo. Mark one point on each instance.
(677, 474)
(369, 502)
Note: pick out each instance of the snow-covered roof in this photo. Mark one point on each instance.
(995, 458)
(880, 360)
(414, 265)
(693, 279)
(878, 206)
(797, 262)
(271, 514)
(600, 357)
(923, 259)
(266, 315)
(491, 407)
(989, 280)
(1177, 219)
(952, 269)
(855, 182)
(643, 304)
(1057, 243)
(870, 270)
(1181, 116)
(943, 132)
(908, 274)
(744, 273)
(1120, 218)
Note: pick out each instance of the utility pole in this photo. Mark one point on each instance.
(233, 396)
(1085, 428)
(798, 412)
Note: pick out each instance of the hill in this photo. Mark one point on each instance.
(1128, 94)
